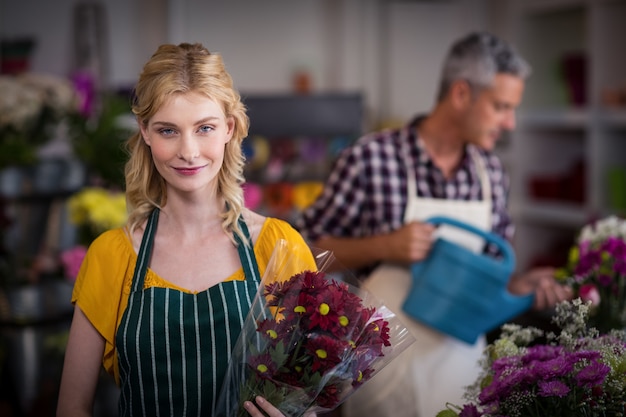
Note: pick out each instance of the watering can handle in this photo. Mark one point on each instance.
(503, 245)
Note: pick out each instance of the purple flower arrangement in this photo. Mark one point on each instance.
(528, 372)
(596, 270)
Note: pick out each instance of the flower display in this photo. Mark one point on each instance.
(31, 107)
(528, 372)
(71, 260)
(94, 210)
(309, 342)
(596, 270)
(97, 210)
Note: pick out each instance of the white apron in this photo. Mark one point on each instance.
(436, 368)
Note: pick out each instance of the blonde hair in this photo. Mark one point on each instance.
(175, 69)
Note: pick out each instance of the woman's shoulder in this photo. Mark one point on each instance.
(275, 227)
(114, 242)
(112, 250)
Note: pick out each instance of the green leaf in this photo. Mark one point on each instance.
(447, 413)
(278, 354)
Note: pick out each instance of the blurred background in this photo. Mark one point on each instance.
(315, 75)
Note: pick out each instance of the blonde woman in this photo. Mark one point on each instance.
(160, 302)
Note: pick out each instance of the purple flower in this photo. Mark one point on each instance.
(553, 368)
(552, 388)
(619, 266)
(593, 374)
(470, 410)
(605, 280)
(588, 262)
(542, 353)
(616, 247)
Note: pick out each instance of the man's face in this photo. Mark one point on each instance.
(492, 111)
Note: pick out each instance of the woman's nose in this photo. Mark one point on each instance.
(188, 149)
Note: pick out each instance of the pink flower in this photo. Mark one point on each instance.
(589, 292)
(72, 259)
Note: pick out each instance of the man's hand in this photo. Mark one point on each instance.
(541, 281)
(410, 243)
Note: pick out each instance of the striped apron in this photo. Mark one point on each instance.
(174, 347)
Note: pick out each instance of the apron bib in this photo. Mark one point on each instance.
(436, 368)
(173, 347)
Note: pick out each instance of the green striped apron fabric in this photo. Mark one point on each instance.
(174, 347)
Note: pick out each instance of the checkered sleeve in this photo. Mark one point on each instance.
(336, 211)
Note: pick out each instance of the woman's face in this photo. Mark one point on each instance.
(187, 137)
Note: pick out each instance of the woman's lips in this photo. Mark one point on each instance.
(188, 171)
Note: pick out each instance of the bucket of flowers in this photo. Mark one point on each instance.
(531, 373)
(310, 340)
(596, 270)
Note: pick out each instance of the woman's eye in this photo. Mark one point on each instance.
(166, 131)
(205, 129)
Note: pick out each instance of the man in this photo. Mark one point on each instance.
(372, 210)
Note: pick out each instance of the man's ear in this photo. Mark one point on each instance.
(460, 94)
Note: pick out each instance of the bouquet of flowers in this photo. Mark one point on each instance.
(310, 340)
(596, 270)
(528, 372)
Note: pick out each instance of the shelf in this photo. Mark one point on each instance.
(305, 115)
(559, 214)
(568, 118)
(552, 6)
(614, 118)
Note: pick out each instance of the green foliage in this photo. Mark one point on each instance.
(99, 141)
(447, 413)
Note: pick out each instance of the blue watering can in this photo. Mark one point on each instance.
(462, 293)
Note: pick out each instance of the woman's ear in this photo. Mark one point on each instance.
(144, 133)
(230, 127)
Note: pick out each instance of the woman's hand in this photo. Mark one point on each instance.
(261, 402)
(269, 409)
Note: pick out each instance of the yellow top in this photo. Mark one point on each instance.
(104, 282)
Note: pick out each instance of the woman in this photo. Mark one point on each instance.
(160, 303)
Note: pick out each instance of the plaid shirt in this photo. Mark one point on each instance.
(366, 192)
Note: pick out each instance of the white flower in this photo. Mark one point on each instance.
(19, 104)
(611, 226)
(24, 97)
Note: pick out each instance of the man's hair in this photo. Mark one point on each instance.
(478, 58)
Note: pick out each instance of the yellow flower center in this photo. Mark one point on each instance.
(261, 368)
(343, 321)
(299, 309)
(272, 334)
(321, 353)
(352, 344)
(324, 309)
(360, 377)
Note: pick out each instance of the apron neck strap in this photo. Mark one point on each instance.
(145, 250)
(246, 253)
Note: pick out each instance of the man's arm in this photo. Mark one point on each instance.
(410, 243)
